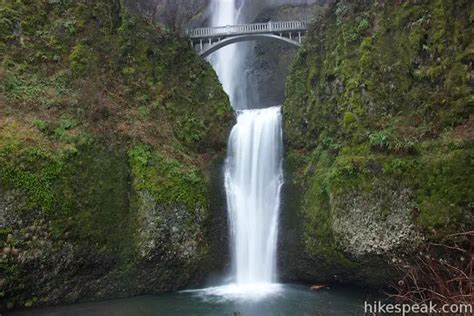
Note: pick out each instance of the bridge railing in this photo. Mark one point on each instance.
(253, 28)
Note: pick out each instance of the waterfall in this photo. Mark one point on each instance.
(253, 171)
(230, 61)
(253, 180)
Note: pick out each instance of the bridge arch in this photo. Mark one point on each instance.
(208, 40)
(243, 38)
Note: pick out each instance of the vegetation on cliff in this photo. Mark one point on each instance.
(379, 126)
(107, 128)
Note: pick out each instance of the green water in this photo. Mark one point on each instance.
(290, 300)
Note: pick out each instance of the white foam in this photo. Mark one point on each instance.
(238, 292)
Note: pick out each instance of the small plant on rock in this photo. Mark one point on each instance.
(379, 139)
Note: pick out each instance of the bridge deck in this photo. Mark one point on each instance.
(254, 28)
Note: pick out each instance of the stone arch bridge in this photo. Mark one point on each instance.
(207, 40)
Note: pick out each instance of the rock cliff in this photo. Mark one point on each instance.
(109, 130)
(379, 128)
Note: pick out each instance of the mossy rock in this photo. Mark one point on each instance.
(377, 104)
(105, 120)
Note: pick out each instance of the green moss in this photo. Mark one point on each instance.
(92, 200)
(444, 194)
(367, 98)
(80, 84)
(9, 17)
(167, 180)
(191, 130)
(30, 168)
(349, 118)
(401, 167)
(84, 191)
(82, 58)
(363, 26)
(318, 232)
(64, 125)
(40, 124)
(22, 88)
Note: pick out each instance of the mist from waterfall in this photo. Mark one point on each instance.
(253, 171)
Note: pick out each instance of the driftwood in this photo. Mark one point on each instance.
(317, 287)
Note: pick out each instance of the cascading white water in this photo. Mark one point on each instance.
(253, 181)
(253, 171)
(253, 176)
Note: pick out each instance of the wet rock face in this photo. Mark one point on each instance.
(272, 60)
(56, 269)
(173, 230)
(91, 212)
(380, 222)
(372, 229)
(380, 167)
(177, 14)
(253, 9)
(36, 249)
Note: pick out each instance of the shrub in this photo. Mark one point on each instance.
(40, 124)
(65, 123)
(363, 26)
(430, 278)
(70, 26)
(81, 58)
(379, 139)
(349, 118)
